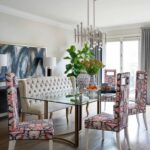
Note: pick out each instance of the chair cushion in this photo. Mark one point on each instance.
(103, 121)
(35, 129)
(134, 108)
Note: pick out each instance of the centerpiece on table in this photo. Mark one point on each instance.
(82, 66)
(92, 67)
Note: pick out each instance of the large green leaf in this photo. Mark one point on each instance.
(75, 57)
(67, 57)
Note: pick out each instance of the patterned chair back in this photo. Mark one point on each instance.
(122, 97)
(110, 76)
(13, 118)
(141, 90)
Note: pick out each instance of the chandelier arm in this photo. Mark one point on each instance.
(81, 33)
(78, 33)
(75, 34)
(88, 13)
(94, 14)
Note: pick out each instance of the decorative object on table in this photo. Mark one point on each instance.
(105, 87)
(76, 56)
(49, 64)
(3, 68)
(92, 67)
(24, 61)
(75, 67)
(83, 80)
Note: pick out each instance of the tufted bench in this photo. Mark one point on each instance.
(51, 85)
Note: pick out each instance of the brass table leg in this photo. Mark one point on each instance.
(99, 103)
(77, 125)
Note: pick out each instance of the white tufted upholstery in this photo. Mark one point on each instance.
(51, 85)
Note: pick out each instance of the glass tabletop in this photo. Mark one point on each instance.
(71, 97)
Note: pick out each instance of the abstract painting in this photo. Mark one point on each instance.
(23, 61)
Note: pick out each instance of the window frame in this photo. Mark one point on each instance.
(121, 40)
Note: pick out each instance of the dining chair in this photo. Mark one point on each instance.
(117, 121)
(139, 105)
(110, 76)
(31, 130)
(108, 86)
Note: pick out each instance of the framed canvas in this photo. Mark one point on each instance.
(23, 61)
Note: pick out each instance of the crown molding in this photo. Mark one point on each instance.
(25, 15)
(134, 26)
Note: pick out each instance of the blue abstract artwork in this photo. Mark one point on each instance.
(23, 61)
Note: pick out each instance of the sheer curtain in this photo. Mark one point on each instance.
(145, 57)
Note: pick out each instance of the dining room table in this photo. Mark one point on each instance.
(73, 98)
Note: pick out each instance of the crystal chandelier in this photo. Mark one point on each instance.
(89, 34)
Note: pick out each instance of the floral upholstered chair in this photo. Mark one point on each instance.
(31, 130)
(117, 121)
(109, 86)
(110, 77)
(139, 105)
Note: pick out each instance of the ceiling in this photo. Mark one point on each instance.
(108, 12)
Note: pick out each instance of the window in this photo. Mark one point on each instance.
(113, 55)
(123, 56)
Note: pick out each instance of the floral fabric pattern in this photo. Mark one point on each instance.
(110, 78)
(36, 129)
(140, 94)
(119, 120)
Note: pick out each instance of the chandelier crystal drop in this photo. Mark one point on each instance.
(89, 34)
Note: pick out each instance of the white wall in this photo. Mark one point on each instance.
(15, 30)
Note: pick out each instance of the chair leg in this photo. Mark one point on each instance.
(50, 144)
(127, 136)
(118, 140)
(145, 122)
(104, 105)
(71, 109)
(87, 138)
(137, 117)
(11, 145)
(50, 115)
(87, 109)
(102, 135)
(67, 115)
(23, 117)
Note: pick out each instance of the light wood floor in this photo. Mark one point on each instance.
(139, 137)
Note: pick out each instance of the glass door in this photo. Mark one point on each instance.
(113, 55)
(123, 56)
(130, 62)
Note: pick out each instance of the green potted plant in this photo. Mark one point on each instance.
(92, 66)
(76, 56)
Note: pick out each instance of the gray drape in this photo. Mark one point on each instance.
(145, 57)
